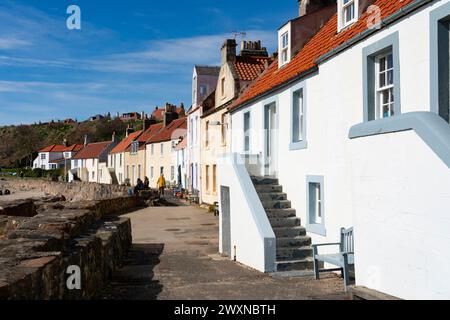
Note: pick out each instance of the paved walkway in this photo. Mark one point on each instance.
(174, 256)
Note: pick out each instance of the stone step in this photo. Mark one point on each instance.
(261, 188)
(281, 213)
(305, 264)
(289, 232)
(276, 204)
(272, 196)
(301, 241)
(289, 254)
(264, 181)
(285, 222)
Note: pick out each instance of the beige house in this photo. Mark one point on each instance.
(236, 73)
(116, 159)
(161, 155)
(136, 155)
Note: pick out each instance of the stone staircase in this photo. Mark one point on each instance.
(294, 252)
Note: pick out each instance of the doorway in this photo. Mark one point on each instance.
(271, 140)
(225, 220)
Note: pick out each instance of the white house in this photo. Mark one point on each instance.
(204, 82)
(353, 125)
(55, 156)
(91, 163)
(181, 161)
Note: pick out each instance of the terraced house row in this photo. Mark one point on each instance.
(343, 134)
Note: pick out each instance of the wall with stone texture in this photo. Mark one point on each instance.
(36, 252)
(74, 191)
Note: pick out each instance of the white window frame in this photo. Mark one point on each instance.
(284, 48)
(387, 89)
(343, 7)
(315, 205)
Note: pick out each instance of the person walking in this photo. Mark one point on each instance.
(161, 185)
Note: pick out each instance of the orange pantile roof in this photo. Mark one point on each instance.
(249, 68)
(93, 150)
(125, 143)
(324, 41)
(166, 133)
(74, 148)
(54, 148)
(150, 132)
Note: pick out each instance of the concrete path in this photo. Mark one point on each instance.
(174, 256)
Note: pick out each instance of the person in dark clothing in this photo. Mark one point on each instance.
(139, 186)
(146, 183)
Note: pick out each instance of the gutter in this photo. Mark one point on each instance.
(367, 33)
(361, 36)
(276, 88)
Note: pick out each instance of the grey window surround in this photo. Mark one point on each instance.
(315, 227)
(247, 131)
(298, 145)
(436, 16)
(390, 42)
(429, 126)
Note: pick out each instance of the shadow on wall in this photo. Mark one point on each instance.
(134, 281)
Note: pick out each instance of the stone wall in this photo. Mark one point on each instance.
(74, 191)
(36, 252)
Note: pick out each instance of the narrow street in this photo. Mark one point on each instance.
(174, 256)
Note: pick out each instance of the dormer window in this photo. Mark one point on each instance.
(284, 45)
(348, 13)
(284, 48)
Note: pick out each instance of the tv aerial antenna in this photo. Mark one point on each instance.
(241, 34)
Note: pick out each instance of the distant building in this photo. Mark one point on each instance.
(131, 116)
(91, 163)
(55, 156)
(204, 82)
(96, 117)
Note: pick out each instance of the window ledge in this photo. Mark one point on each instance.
(298, 145)
(317, 229)
(433, 130)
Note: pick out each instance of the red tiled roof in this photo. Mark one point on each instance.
(166, 133)
(150, 132)
(325, 40)
(54, 148)
(74, 148)
(158, 114)
(92, 150)
(249, 68)
(125, 143)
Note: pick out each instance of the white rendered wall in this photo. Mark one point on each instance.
(401, 195)
(334, 103)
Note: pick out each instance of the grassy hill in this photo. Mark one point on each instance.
(18, 144)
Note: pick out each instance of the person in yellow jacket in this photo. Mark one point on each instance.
(161, 185)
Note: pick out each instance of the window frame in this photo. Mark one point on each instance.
(342, 7)
(388, 88)
(312, 225)
(298, 144)
(370, 53)
(247, 133)
(284, 48)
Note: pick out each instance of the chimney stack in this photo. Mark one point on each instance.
(128, 131)
(229, 51)
(253, 48)
(114, 137)
(309, 6)
(86, 140)
(65, 142)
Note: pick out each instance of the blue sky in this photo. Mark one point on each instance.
(129, 55)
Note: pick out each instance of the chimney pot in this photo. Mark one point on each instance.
(228, 51)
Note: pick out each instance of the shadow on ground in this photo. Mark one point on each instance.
(135, 280)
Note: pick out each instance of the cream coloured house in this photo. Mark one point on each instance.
(161, 155)
(236, 73)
